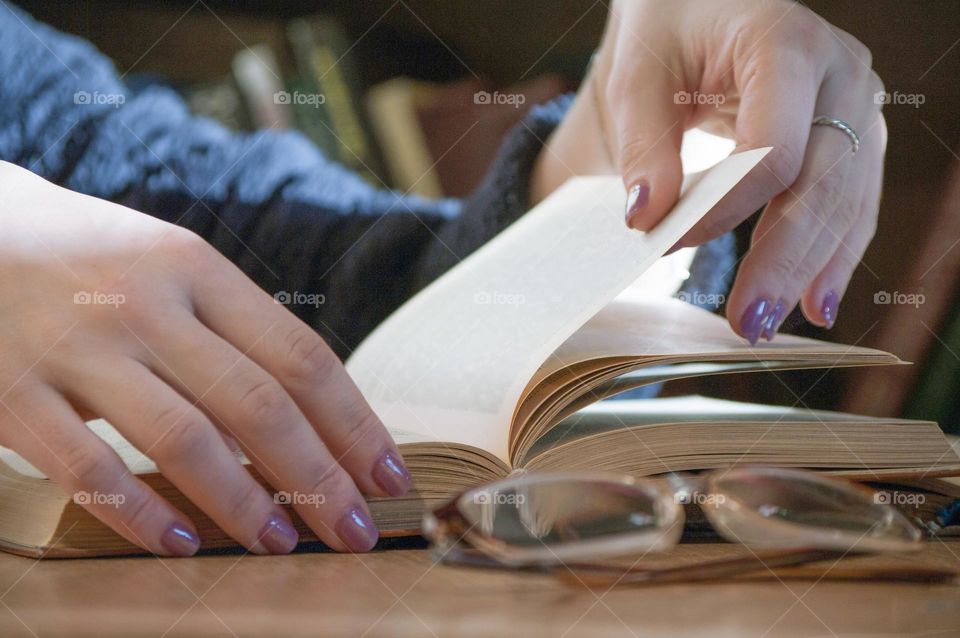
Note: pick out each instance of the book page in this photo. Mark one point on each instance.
(695, 432)
(640, 326)
(695, 408)
(452, 362)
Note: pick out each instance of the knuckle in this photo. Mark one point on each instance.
(803, 31)
(632, 152)
(264, 400)
(179, 433)
(241, 503)
(331, 480)
(106, 300)
(785, 162)
(846, 213)
(862, 52)
(784, 268)
(87, 467)
(790, 270)
(138, 309)
(307, 359)
(184, 247)
(857, 49)
(180, 237)
(138, 512)
(853, 70)
(827, 192)
(364, 425)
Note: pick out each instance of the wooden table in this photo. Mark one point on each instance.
(402, 593)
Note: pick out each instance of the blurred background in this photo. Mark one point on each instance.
(405, 92)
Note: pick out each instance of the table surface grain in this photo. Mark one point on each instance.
(401, 592)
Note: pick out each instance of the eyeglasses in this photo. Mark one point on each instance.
(571, 520)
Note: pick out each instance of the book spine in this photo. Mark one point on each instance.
(258, 78)
(328, 84)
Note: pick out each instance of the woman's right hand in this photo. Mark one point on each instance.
(112, 313)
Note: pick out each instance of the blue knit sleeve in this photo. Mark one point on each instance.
(290, 218)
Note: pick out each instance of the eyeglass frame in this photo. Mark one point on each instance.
(449, 527)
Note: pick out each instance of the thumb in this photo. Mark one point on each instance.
(650, 123)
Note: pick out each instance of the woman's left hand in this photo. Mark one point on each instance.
(758, 71)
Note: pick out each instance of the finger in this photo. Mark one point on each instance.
(296, 356)
(648, 124)
(778, 96)
(270, 428)
(801, 228)
(821, 300)
(188, 450)
(43, 428)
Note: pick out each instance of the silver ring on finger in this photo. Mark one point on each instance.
(842, 126)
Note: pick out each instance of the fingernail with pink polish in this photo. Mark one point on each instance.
(179, 541)
(637, 200)
(356, 530)
(829, 307)
(278, 536)
(391, 475)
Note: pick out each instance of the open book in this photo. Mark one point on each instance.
(498, 365)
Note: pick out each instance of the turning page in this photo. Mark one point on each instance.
(451, 363)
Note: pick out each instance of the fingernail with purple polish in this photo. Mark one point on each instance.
(278, 536)
(770, 327)
(179, 541)
(831, 302)
(754, 319)
(356, 530)
(391, 474)
(637, 200)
